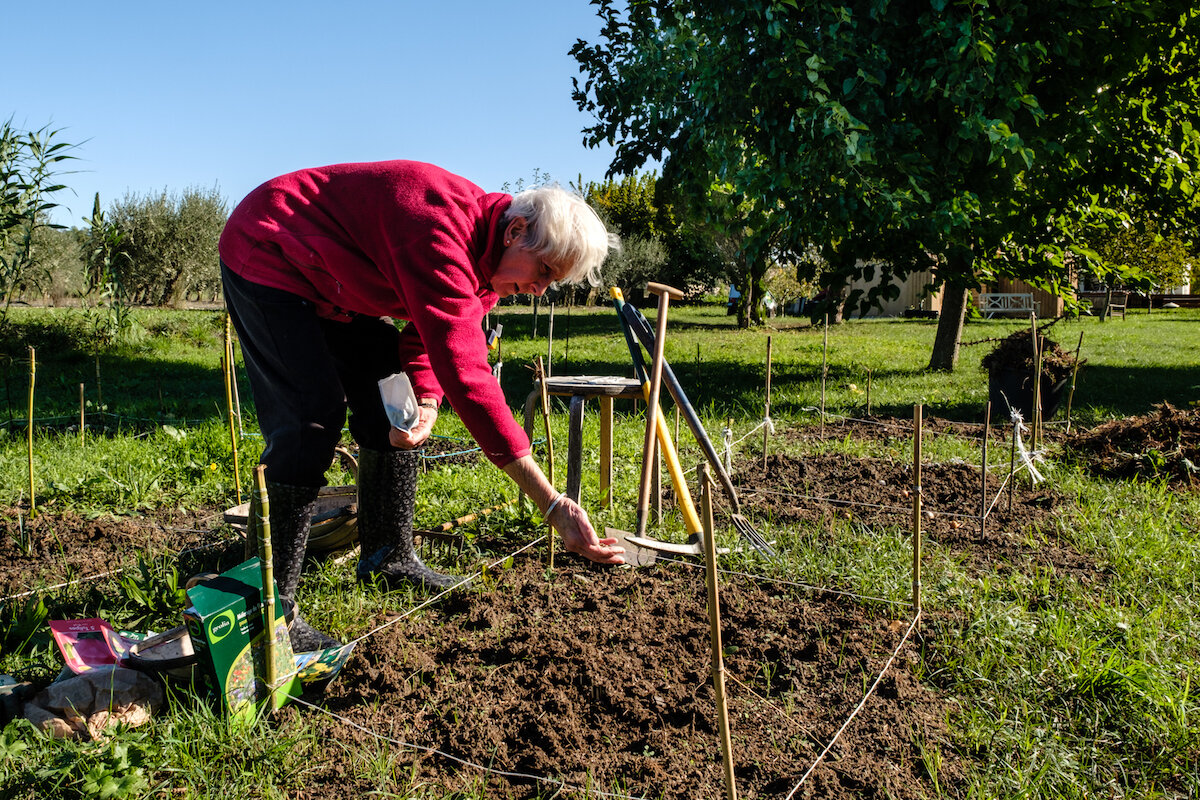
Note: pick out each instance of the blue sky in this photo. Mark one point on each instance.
(170, 95)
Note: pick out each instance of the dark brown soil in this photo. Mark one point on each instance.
(54, 548)
(1164, 444)
(601, 678)
(829, 489)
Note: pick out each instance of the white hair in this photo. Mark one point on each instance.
(563, 229)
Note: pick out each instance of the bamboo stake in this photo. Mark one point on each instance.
(983, 470)
(550, 342)
(868, 393)
(237, 400)
(99, 387)
(29, 438)
(767, 407)
(82, 417)
(1036, 416)
(266, 557)
(824, 370)
(1012, 466)
(1074, 372)
(233, 439)
(545, 397)
(676, 422)
(916, 545)
(714, 622)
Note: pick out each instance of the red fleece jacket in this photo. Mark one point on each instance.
(392, 238)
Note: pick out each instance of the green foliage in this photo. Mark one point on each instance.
(988, 137)
(107, 770)
(656, 246)
(28, 161)
(1139, 246)
(169, 243)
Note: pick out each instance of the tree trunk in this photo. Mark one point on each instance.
(949, 330)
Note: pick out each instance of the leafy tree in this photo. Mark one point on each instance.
(1140, 247)
(169, 242)
(656, 246)
(977, 140)
(28, 160)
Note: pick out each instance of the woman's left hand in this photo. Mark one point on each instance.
(414, 438)
(572, 523)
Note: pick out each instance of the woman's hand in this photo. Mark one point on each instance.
(414, 438)
(578, 535)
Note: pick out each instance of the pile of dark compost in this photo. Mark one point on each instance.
(1164, 444)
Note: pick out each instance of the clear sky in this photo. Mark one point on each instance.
(170, 95)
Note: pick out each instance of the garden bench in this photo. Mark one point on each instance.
(993, 303)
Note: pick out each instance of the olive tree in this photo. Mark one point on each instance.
(169, 244)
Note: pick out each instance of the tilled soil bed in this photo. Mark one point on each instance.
(601, 678)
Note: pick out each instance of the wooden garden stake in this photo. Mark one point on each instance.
(550, 342)
(266, 557)
(82, 417)
(714, 622)
(677, 422)
(916, 544)
(99, 388)
(1035, 422)
(983, 470)
(1012, 466)
(767, 407)
(824, 370)
(229, 355)
(233, 438)
(1074, 372)
(545, 396)
(29, 438)
(868, 393)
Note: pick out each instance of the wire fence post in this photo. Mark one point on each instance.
(983, 470)
(916, 534)
(29, 427)
(1074, 373)
(767, 407)
(824, 371)
(714, 622)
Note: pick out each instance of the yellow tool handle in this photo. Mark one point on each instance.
(691, 520)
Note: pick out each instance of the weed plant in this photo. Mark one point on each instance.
(1065, 687)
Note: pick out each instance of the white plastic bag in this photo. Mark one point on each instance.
(399, 401)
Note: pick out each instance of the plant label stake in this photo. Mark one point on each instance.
(714, 623)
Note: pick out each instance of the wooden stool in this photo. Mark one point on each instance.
(580, 388)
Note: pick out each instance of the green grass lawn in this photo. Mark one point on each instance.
(1064, 689)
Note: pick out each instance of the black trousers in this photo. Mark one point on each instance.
(305, 372)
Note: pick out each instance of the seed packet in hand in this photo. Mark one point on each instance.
(400, 401)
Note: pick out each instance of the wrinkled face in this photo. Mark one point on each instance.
(522, 271)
